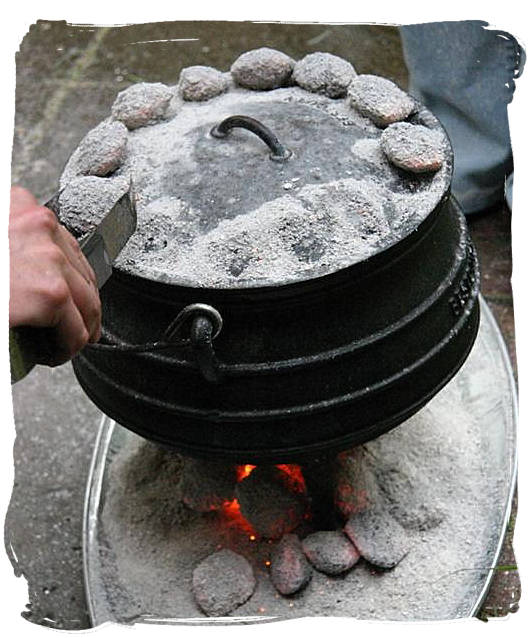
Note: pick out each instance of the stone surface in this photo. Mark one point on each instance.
(141, 104)
(222, 582)
(380, 99)
(415, 148)
(85, 200)
(289, 569)
(324, 73)
(377, 536)
(99, 153)
(207, 485)
(262, 69)
(330, 552)
(269, 503)
(56, 430)
(199, 83)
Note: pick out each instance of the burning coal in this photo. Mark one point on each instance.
(264, 502)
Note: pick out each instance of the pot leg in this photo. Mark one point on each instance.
(319, 475)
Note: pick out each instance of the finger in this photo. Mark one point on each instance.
(71, 334)
(87, 300)
(21, 200)
(72, 250)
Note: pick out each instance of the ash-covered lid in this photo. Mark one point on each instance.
(219, 213)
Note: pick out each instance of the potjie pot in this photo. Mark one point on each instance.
(297, 370)
(289, 371)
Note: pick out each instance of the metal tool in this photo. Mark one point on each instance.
(30, 345)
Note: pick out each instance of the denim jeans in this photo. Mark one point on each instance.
(465, 74)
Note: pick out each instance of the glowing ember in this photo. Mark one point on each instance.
(271, 500)
(243, 470)
(297, 482)
(294, 473)
(234, 518)
(294, 482)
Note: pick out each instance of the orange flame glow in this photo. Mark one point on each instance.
(243, 470)
(297, 482)
(231, 509)
(234, 517)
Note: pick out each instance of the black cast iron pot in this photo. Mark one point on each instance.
(298, 370)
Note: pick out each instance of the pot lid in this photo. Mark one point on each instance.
(215, 211)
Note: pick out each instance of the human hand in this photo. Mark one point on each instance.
(51, 283)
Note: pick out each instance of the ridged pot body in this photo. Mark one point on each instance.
(305, 369)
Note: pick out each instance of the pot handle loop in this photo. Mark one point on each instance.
(206, 326)
(191, 311)
(201, 340)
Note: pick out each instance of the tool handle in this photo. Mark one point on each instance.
(28, 346)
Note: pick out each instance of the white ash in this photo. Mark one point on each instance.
(141, 104)
(330, 552)
(406, 206)
(373, 479)
(207, 485)
(163, 222)
(413, 147)
(222, 582)
(377, 536)
(369, 150)
(262, 69)
(324, 73)
(199, 83)
(380, 99)
(146, 469)
(301, 233)
(176, 241)
(289, 570)
(99, 153)
(85, 201)
(410, 496)
(267, 500)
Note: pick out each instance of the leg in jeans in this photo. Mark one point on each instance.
(465, 74)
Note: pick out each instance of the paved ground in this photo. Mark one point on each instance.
(67, 78)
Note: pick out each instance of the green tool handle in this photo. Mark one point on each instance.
(29, 346)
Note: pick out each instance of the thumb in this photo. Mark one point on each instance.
(21, 200)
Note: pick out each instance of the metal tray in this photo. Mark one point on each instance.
(487, 388)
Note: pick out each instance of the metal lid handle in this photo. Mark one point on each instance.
(279, 153)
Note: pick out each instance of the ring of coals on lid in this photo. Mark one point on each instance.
(218, 213)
